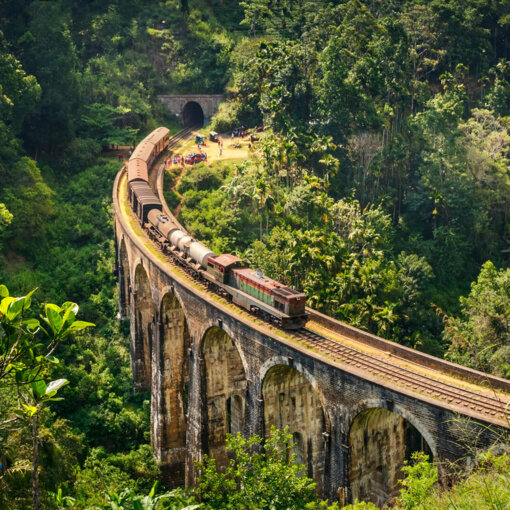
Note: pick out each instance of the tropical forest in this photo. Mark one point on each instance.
(375, 179)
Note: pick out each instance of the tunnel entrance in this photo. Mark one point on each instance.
(192, 114)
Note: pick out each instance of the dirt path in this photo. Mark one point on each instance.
(229, 153)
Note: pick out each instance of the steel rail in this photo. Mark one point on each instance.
(483, 403)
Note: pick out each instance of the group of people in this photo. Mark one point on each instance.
(177, 159)
(241, 131)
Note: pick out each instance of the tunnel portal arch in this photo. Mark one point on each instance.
(225, 392)
(192, 114)
(380, 441)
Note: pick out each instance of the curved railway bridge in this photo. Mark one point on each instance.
(357, 405)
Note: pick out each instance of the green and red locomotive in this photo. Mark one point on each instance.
(227, 274)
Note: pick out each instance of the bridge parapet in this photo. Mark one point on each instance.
(418, 357)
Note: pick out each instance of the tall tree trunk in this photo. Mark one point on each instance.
(36, 491)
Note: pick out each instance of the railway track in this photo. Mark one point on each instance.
(401, 376)
(455, 396)
(181, 135)
(178, 137)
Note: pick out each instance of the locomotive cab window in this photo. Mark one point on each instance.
(279, 306)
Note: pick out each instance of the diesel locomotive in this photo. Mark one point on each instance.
(225, 274)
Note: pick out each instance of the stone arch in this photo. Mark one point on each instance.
(404, 413)
(380, 440)
(143, 311)
(224, 392)
(290, 399)
(174, 358)
(124, 280)
(192, 114)
(285, 360)
(218, 324)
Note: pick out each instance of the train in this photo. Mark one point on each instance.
(225, 274)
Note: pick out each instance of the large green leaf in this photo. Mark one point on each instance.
(54, 386)
(53, 317)
(15, 308)
(39, 388)
(32, 325)
(4, 304)
(77, 326)
(72, 307)
(70, 311)
(4, 291)
(28, 299)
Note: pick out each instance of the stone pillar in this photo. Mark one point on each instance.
(337, 459)
(173, 382)
(122, 271)
(132, 344)
(195, 412)
(254, 416)
(157, 418)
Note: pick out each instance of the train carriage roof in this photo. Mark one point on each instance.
(157, 135)
(143, 150)
(144, 193)
(137, 170)
(226, 259)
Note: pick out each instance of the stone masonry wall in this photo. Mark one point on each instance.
(204, 354)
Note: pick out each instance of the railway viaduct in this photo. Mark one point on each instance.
(357, 405)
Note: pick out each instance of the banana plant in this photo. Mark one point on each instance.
(61, 501)
(173, 500)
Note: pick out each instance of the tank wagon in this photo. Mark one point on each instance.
(225, 274)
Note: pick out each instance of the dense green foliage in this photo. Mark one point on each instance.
(485, 487)
(338, 253)
(75, 78)
(481, 337)
(26, 353)
(384, 170)
(380, 188)
(261, 474)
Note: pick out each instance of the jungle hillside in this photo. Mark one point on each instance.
(379, 185)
